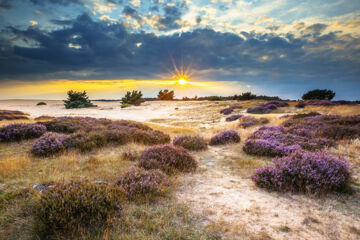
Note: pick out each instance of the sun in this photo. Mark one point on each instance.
(182, 81)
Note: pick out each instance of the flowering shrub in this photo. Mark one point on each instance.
(195, 143)
(333, 127)
(227, 111)
(49, 144)
(12, 115)
(307, 172)
(85, 142)
(325, 102)
(249, 121)
(69, 206)
(259, 109)
(225, 137)
(167, 158)
(276, 141)
(21, 131)
(236, 106)
(142, 182)
(149, 137)
(267, 108)
(233, 117)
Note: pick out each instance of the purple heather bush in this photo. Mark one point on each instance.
(325, 102)
(276, 141)
(249, 121)
(193, 143)
(49, 144)
(69, 206)
(21, 131)
(267, 108)
(333, 127)
(168, 158)
(225, 137)
(140, 182)
(233, 117)
(305, 172)
(236, 106)
(12, 115)
(227, 111)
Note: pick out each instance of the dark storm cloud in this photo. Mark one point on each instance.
(5, 4)
(110, 51)
(60, 2)
(131, 12)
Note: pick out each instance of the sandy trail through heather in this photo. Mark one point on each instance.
(222, 197)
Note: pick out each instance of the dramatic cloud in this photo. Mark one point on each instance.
(139, 41)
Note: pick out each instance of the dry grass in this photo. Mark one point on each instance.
(218, 201)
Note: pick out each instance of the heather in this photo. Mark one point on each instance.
(229, 110)
(138, 182)
(225, 137)
(49, 144)
(305, 172)
(324, 102)
(68, 207)
(233, 117)
(12, 115)
(193, 143)
(168, 158)
(21, 131)
(332, 127)
(267, 108)
(249, 121)
(277, 141)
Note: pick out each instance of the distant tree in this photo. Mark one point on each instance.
(246, 96)
(133, 98)
(77, 100)
(320, 94)
(166, 95)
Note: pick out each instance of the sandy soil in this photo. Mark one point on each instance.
(221, 190)
(111, 110)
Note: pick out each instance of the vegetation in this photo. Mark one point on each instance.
(307, 172)
(138, 182)
(21, 131)
(77, 100)
(249, 121)
(233, 117)
(165, 95)
(41, 103)
(192, 143)
(319, 94)
(68, 207)
(168, 158)
(133, 98)
(225, 137)
(12, 115)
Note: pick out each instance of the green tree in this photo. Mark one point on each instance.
(320, 94)
(77, 100)
(133, 98)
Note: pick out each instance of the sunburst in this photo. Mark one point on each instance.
(182, 74)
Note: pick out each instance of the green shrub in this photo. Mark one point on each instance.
(68, 207)
(125, 105)
(77, 100)
(320, 94)
(41, 103)
(133, 98)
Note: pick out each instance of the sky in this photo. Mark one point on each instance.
(107, 47)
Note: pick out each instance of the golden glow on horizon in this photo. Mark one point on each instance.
(182, 81)
(111, 89)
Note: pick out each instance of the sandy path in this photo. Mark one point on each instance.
(245, 211)
(111, 110)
